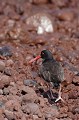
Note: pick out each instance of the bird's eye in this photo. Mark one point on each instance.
(42, 53)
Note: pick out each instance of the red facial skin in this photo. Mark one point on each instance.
(34, 59)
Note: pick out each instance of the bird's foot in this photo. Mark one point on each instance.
(59, 96)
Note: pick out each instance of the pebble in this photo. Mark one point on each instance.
(12, 105)
(42, 102)
(12, 84)
(32, 108)
(41, 22)
(1, 104)
(63, 115)
(4, 81)
(5, 51)
(28, 57)
(67, 77)
(51, 112)
(39, 41)
(29, 82)
(67, 118)
(15, 33)
(5, 119)
(66, 15)
(35, 117)
(37, 2)
(60, 3)
(23, 117)
(9, 115)
(10, 23)
(76, 80)
(5, 91)
(76, 110)
(9, 62)
(1, 91)
(8, 71)
(1, 117)
(30, 95)
(77, 74)
(2, 65)
(73, 95)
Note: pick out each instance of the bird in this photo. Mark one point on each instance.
(51, 71)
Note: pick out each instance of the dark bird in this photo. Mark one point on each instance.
(51, 70)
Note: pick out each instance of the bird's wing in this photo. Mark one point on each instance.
(45, 73)
(56, 71)
(47, 76)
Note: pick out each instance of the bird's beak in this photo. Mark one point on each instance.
(34, 59)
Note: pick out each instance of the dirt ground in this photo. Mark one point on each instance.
(26, 28)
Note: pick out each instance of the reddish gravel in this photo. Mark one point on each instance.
(26, 28)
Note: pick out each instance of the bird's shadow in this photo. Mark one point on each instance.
(47, 94)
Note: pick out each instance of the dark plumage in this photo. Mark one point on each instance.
(51, 70)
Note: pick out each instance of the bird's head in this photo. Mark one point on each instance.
(45, 55)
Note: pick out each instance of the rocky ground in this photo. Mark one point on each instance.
(26, 28)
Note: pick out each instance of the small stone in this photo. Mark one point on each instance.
(51, 112)
(77, 74)
(60, 3)
(4, 81)
(30, 82)
(76, 110)
(28, 57)
(64, 109)
(59, 58)
(2, 65)
(9, 114)
(31, 108)
(12, 105)
(5, 51)
(38, 1)
(35, 117)
(30, 95)
(5, 119)
(42, 102)
(9, 62)
(56, 119)
(5, 91)
(12, 84)
(73, 95)
(15, 33)
(67, 74)
(1, 91)
(11, 23)
(8, 71)
(1, 117)
(39, 41)
(66, 15)
(1, 104)
(23, 117)
(76, 80)
(63, 115)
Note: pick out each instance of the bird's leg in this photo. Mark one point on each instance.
(51, 92)
(59, 96)
(51, 95)
(50, 86)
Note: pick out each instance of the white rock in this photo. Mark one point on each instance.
(42, 22)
